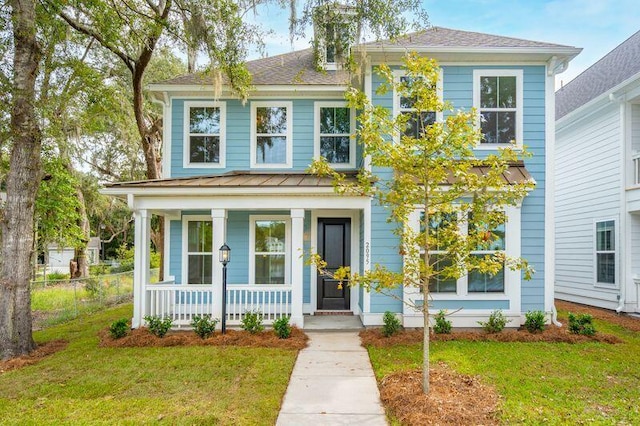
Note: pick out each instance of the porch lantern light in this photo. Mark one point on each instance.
(225, 258)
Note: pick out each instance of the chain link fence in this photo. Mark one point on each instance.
(56, 301)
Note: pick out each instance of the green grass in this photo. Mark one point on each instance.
(542, 383)
(175, 385)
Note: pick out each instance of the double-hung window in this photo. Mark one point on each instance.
(199, 262)
(333, 129)
(438, 257)
(270, 250)
(271, 134)
(497, 96)
(204, 134)
(416, 121)
(606, 252)
(480, 282)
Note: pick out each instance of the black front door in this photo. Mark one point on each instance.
(334, 246)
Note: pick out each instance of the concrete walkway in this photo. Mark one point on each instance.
(332, 384)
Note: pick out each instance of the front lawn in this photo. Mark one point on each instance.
(177, 385)
(541, 383)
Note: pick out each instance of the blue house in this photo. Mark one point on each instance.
(236, 173)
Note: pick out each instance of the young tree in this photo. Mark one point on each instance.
(427, 170)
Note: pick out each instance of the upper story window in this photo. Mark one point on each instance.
(270, 250)
(271, 134)
(497, 96)
(333, 129)
(204, 134)
(606, 252)
(417, 121)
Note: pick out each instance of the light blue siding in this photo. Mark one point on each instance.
(175, 250)
(470, 304)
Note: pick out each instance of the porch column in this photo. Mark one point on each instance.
(219, 224)
(142, 242)
(297, 266)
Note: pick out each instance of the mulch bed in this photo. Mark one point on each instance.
(42, 351)
(623, 320)
(453, 399)
(141, 337)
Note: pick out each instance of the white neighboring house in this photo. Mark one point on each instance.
(597, 177)
(58, 258)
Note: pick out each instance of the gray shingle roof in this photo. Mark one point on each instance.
(615, 67)
(446, 37)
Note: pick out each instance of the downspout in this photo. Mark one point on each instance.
(622, 273)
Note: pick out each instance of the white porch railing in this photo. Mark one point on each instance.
(636, 167)
(182, 302)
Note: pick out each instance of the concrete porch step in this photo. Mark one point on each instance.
(332, 322)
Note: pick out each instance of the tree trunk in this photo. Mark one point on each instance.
(22, 184)
(80, 254)
(425, 348)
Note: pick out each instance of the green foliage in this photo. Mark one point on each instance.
(57, 276)
(101, 269)
(581, 324)
(158, 326)
(118, 329)
(390, 324)
(534, 321)
(204, 326)
(282, 328)
(442, 324)
(496, 323)
(94, 287)
(126, 258)
(252, 322)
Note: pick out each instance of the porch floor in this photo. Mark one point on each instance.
(332, 322)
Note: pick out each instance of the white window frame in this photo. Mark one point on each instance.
(615, 251)
(397, 74)
(185, 247)
(186, 146)
(519, 75)
(252, 246)
(316, 133)
(289, 135)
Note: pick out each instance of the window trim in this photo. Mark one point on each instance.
(519, 75)
(186, 146)
(616, 254)
(316, 132)
(252, 247)
(185, 247)
(254, 137)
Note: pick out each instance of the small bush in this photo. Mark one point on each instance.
(534, 321)
(391, 324)
(496, 323)
(118, 329)
(282, 328)
(100, 269)
(158, 326)
(581, 324)
(94, 287)
(442, 324)
(204, 326)
(252, 322)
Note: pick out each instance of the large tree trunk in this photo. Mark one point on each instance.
(22, 184)
(80, 253)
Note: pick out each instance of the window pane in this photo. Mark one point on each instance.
(270, 268)
(335, 120)
(605, 236)
(200, 236)
(440, 284)
(486, 283)
(488, 92)
(335, 149)
(438, 223)
(489, 126)
(204, 149)
(204, 120)
(271, 150)
(415, 127)
(200, 269)
(506, 126)
(270, 236)
(271, 120)
(606, 268)
(494, 236)
(507, 89)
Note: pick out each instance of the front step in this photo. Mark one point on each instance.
(329, 312)
(341, 321)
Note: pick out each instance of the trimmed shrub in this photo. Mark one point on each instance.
(391, 324)
(282, 328)
(158, 326)
(581, 324)
(252, 322)
(204, 326)
(496, 323)
(442, 324)
(118, 329)
(534, 321)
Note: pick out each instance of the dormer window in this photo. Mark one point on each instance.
(334, 34)
(336, 43)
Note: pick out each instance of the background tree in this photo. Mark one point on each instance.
(428, 170)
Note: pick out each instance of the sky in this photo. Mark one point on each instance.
(596, 26)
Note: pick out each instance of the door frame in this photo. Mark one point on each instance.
(354, 215)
